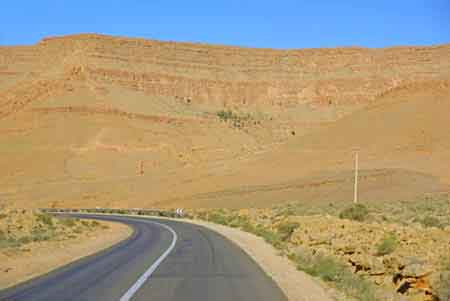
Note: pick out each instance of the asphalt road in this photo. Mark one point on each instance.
(202, 265)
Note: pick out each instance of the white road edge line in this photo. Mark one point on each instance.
(135, 287)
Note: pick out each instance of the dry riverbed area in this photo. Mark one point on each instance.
(34, 243)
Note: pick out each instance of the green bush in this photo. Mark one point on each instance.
(431, 221)
(9, 243)
(219, 218)
(225, 115)
(387, 245)
(443, 286)
(286, 229)
(40, 235)
(24, 240)
(6, 242)
(330, 270)
(356, 212)
(237, 120)
(68, 222)
(325, 268)
(45, 219)
(239, 221)
(270, 237)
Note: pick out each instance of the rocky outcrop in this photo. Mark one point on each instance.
(225, 75)
(411, 269)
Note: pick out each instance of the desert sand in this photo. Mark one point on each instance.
(91, 120)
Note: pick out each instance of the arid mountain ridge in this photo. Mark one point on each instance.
(81, 102)
(232, 75)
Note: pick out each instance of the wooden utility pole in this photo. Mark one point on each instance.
(355, 196)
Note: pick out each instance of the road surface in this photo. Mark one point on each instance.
(162, 261)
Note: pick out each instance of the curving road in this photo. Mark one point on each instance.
(163, 260)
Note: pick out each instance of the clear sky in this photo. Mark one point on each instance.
(256, 23)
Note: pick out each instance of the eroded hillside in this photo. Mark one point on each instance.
(92, 120)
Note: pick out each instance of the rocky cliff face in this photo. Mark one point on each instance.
(230, 75)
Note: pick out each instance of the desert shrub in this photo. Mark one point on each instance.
(443, 287)
(78, 230)
(9, 243)
(239, 221)
(45, 219)
(24, 240)
(95, 224)
(443, 291)
(286, 212)
(326, 268)
(5, 241)
(331, 270)
(387, 245)
(202, 215)
(268, 235)
(40, 235)
(68, 222)
(286, 229)
(219, 218)
(225, 115)
(86, 224)
(431, 221)
(356, 212)
(237, 120)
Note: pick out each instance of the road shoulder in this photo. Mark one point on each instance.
(296, 285)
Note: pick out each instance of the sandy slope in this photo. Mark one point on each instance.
(92, 120)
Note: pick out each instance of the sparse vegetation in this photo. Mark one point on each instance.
(330, 270)
(219, 218)
(24, 227)
(45, 218)
(348, 253)
(68, 222)
(324, 267)
(443, 290)
(95, 224)
(286, 229)
(387, 245)
(236, 221)
(225, 115)
(237, 120)
(343, 255)
(431, 221)
(269, 236)
(357, 212)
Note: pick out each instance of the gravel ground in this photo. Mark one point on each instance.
(39, 258)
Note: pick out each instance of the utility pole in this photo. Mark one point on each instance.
(355, 197)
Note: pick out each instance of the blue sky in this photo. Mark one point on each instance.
(256, 23)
